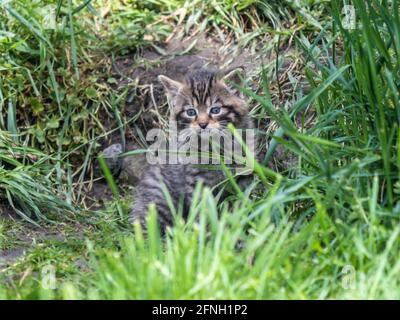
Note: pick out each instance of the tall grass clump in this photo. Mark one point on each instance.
(354, 81)
(27, 184)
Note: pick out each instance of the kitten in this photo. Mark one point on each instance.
(203, 102)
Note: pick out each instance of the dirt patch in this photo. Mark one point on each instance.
(6, 210)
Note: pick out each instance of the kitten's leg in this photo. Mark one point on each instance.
(150, 190)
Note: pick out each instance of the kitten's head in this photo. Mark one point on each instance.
(205, 101)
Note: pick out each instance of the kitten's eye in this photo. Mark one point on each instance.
(191, 112)
(215, 110)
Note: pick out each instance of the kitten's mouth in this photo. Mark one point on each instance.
(204, 129)
(207, 132)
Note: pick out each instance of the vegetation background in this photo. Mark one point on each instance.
(324, 88)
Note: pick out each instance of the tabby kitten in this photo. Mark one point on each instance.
(204, 101)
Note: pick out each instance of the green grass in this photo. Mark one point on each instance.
(26, 184)
(326, 228)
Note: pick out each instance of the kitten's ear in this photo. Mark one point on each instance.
(171, 86)
(234, 74)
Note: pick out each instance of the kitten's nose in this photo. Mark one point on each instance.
(203, 125)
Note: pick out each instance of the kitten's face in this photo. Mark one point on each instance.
(205, 102)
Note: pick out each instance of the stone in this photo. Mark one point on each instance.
(112, 157)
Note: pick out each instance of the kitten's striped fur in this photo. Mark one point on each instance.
(202, 90)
